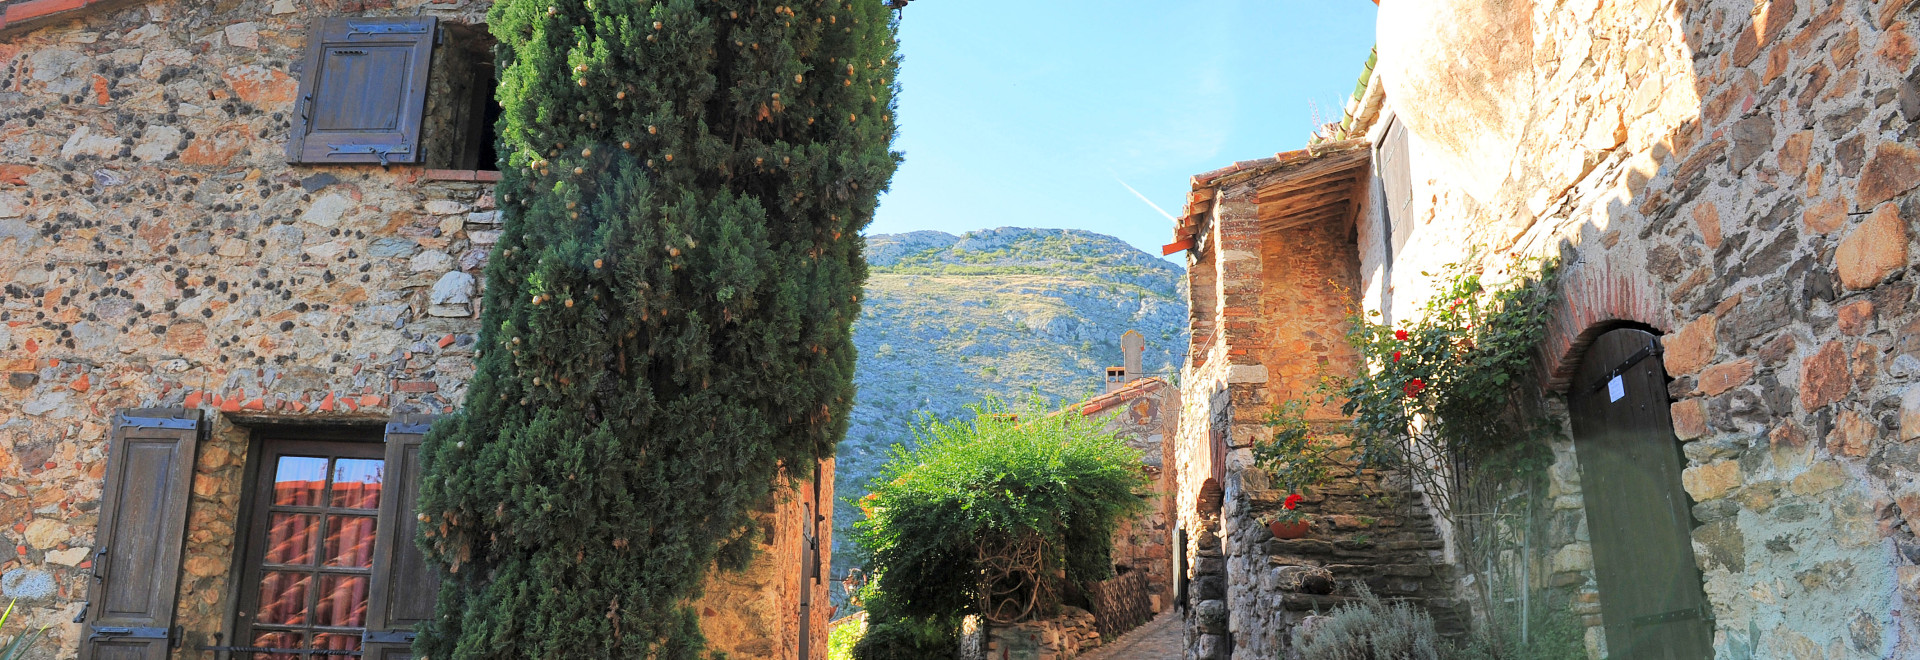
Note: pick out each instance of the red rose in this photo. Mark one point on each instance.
(1396, 356)
(1413, 387)
(1292, 501)
(1400, 335)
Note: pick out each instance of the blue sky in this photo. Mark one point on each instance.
(1031, 114)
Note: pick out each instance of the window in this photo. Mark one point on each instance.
(461, 111)
(329, 567)
(396, 91)
(362, 88)
(316, 515)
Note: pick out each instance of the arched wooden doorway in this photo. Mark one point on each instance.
(1640, 520)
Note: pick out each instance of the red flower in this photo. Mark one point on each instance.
(1413, 387)
(1400, 335)
(1396, 356)
(1291, 501)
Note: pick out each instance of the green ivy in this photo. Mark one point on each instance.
(1446, 386)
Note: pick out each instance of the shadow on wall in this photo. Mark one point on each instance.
(1740, 177)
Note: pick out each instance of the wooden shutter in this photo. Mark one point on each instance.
(143, 524)
(404, 585)
(1639, 517)
(363, 91)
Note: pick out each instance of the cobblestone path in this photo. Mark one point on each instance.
(1158, 639)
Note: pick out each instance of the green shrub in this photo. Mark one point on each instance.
(907, 639)
(993, 516)
(844, 635)
(1372, 629)
(1554, 634)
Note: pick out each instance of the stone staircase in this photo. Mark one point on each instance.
(1386, 545)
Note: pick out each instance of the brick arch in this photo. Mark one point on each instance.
(1593, 300)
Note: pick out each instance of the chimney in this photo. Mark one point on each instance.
(1131, 345)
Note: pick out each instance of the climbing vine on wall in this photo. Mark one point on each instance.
(1445, 388)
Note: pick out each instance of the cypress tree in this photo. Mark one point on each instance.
(666, 323)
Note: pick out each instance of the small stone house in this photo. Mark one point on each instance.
(239, 249)
(1730, 190)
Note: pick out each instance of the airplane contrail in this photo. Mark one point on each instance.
(1143, 198)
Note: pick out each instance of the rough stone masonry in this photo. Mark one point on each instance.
(158, 251)
(1740, 178)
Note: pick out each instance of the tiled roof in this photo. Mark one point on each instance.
(1302, 172)
(1133, 390)
(17, 15)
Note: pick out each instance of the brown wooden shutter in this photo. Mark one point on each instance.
(143, 524)
(404, 585)
(362, 91)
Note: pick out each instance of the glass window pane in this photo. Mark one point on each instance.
(291, 538)
(356, 483)
(278, 640)
(336, 642)
(350, 541)
(299, 480)
(343, 601)
(283, 598)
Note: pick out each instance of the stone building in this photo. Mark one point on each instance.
(1144, 412)
(1729, 188)
(239, 243)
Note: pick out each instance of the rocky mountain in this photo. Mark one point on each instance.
(951, 319)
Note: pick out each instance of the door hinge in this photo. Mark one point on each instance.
(1703, 613)
(409, 429)
(388, 637)
(355, 28)
(380, 150)
(158, 422)
(1651, 349)
(128, 632)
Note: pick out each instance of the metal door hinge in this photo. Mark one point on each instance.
(1703, 613)
(128, 632)
(355, 28)
(380, 150)
(388, 637)
(158, 422)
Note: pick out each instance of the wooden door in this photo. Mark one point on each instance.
(1651, 599)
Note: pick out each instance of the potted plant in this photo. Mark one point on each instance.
(1289, 522)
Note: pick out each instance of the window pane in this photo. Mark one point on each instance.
(350, 541)
(356, 483)
(291, 537)
(278, 640)
(283, 598)
(343, 601)
(336, 642)
(299, 480)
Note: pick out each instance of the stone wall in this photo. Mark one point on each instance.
(157, 250)
(1145, 414)
(1738, 176)
(1059, 638)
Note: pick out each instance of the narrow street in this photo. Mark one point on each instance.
(1159, 639)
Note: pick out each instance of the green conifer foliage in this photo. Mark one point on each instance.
(667, 316)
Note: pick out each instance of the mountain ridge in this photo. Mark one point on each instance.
(1009, 312)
